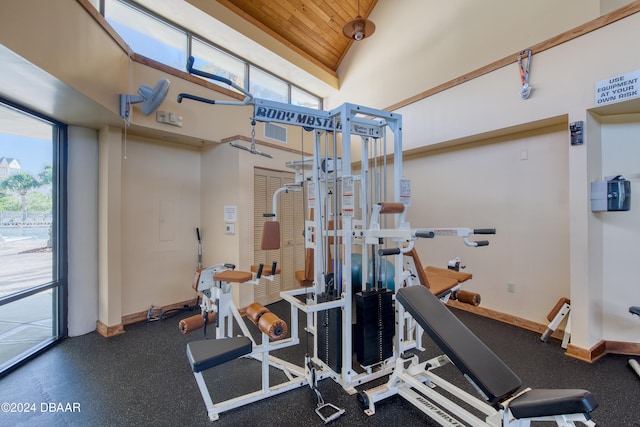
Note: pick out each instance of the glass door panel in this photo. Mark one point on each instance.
(29, 273)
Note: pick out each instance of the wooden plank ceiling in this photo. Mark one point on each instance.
(313, 28)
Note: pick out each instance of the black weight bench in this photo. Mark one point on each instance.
(634, 310)
(206, 354)
(483, 368)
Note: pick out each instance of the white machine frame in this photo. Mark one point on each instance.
(367, 220)
(417, 383)
(217, 298)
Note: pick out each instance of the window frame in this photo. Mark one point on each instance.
(191, 35)
(59, 282)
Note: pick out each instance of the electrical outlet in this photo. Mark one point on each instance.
(511, 288)
(168, 118)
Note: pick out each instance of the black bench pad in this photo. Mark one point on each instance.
(634, 310)
(206, 354)
(543, 403)
(463, 347)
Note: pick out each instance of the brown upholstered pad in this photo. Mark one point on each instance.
(270, 236)
(435, 283)
(556, 308)
(468, 297)
(391, 207)
(438, 285)
(195, 322)
(458, 275)
(233, 276)
(273, 326)
(255, 311)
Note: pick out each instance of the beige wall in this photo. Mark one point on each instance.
(136, 194)
(490, 105)
(227, 180)
(420, 44)
(516, 184)
(621, 230)
(160, 213)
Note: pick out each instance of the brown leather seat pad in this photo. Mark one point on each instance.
(458, 275)
(233, 276)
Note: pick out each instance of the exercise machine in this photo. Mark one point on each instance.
(356, 203)
(503, 402)
(215, 284)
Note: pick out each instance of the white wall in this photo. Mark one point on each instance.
(82, 232)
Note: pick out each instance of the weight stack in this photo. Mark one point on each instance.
(329, 331)
(375, 326)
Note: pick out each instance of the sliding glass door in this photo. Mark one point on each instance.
(32, 234)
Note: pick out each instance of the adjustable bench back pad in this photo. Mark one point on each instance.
(470, 355)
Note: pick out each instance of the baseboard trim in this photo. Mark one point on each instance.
(621, 347)
(506, 318)
(142, 315)
(589, 355)
(109, 331)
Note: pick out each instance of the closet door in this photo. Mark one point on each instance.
(290, 213)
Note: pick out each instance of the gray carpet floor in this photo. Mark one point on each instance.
(143, 378)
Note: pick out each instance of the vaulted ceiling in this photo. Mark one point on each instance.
(312, 28)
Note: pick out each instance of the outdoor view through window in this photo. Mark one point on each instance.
(27, 315)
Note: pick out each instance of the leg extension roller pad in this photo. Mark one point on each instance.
(273, 326)
(255, 311)
(192, 323)
(468, 297)
(206, 354)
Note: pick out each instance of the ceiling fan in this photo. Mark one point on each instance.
(358, 28)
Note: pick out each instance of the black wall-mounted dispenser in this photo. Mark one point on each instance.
(612, 194)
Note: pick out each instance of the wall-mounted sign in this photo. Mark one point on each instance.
(619, 88)
(230, 213)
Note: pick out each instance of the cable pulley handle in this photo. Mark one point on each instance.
(195, 98)
(484, 231)
(426, 234)
(204, 74)
(224, 80)
(387, 252)
(482, 243)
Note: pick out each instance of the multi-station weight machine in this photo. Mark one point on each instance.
(356, 213)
